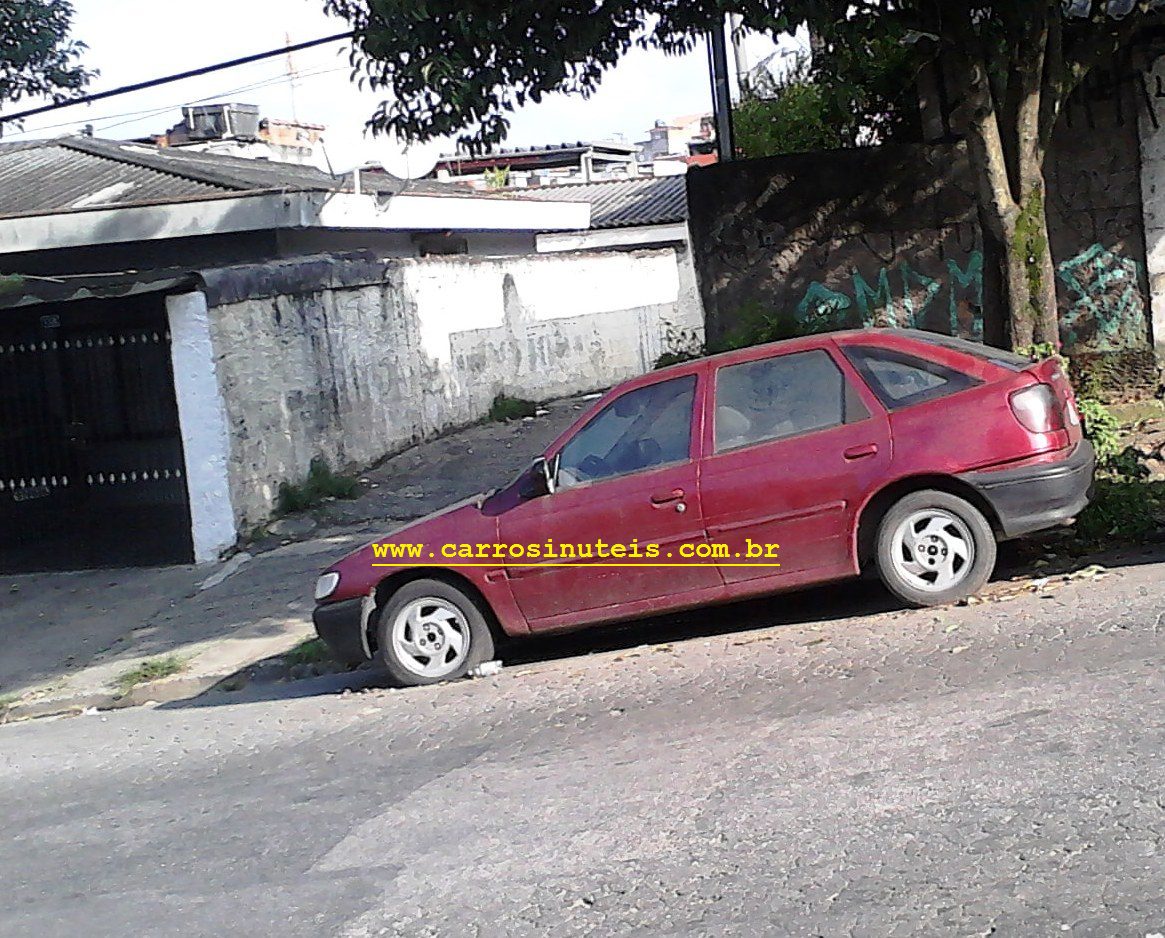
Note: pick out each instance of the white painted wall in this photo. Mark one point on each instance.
(355, 373)
(1153, 200)
(674, 236)
(203, 424)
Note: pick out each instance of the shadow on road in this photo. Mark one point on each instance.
(824, 604)
(837, 602)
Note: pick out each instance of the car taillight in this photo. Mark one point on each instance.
(1037, 409)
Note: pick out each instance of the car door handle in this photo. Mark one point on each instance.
(666, 498)
(860, 452)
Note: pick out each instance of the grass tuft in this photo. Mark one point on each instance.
(511, 408)
(312, 651)
(321, 484)
(153, 669)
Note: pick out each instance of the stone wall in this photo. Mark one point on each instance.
(1096, 223)
(891, 235)
(354, 359)
(846, 238)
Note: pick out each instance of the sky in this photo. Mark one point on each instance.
(134, 40)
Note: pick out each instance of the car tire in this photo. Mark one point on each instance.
(430, 631)
(934, 548)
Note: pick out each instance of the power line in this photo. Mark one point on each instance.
(103, 122)
(192, 73)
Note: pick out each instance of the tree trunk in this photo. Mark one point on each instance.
(1029, 275)
(1007, 135)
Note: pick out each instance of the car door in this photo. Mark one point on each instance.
(795, 444)
(626, 486)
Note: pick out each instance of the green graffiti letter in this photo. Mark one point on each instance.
(916, 317)
(820, 301)
(881, 298)
(971, 280)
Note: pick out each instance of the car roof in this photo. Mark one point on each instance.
(878, 334)
(928, 344)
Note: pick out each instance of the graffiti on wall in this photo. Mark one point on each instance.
(903, 296)
(1102, 305)
(1105, 309)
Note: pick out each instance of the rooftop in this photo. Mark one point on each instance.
(70, 174)
(579, 146)
(623, 203)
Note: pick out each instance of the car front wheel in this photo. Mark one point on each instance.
(430, 631)
(934, 548)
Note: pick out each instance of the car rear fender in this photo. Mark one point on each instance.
(871, 513)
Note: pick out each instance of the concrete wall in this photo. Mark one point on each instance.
(892, 235)
(354, 360)
(1152, 133)
(1095, 220)
(840, 239)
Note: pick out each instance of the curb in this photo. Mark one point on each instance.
(180, 687)
(167, 690)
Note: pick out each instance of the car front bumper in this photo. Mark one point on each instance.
(1037, 497)
(341, 627)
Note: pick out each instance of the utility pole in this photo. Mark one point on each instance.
(721, 94)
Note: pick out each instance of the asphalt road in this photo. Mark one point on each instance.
(990, 769)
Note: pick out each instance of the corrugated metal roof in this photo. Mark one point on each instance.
(75, 173)
(53, 177)
(623, 203)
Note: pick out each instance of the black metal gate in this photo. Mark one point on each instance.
(91, 462)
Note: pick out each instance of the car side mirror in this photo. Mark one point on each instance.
(539, 479)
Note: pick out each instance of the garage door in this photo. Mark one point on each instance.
(91, 462)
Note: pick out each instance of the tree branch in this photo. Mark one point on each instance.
(1052, 92)
(1026, 132)
(984, 140)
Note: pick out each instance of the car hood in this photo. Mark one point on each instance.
(461, 523)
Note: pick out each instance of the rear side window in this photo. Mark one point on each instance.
(781, 397)
(900, 380)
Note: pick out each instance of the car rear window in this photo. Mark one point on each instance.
(900, 380)
(998, 356)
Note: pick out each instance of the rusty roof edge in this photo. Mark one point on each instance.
(224, 286)
(22, 290)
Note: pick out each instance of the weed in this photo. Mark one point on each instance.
(1038, 351)
(1122, 509)
(511, 408)
(7, 701)
(1102, 428)
(312, 651)
(321, 484)
(152, 669)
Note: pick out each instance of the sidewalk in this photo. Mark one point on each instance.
(73, 640)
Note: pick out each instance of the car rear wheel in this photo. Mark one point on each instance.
(430, 631)
(934, 548)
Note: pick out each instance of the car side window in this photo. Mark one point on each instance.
(781, 397)
(650, 426)
(900, 380)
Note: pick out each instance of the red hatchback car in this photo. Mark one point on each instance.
(747, 473)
